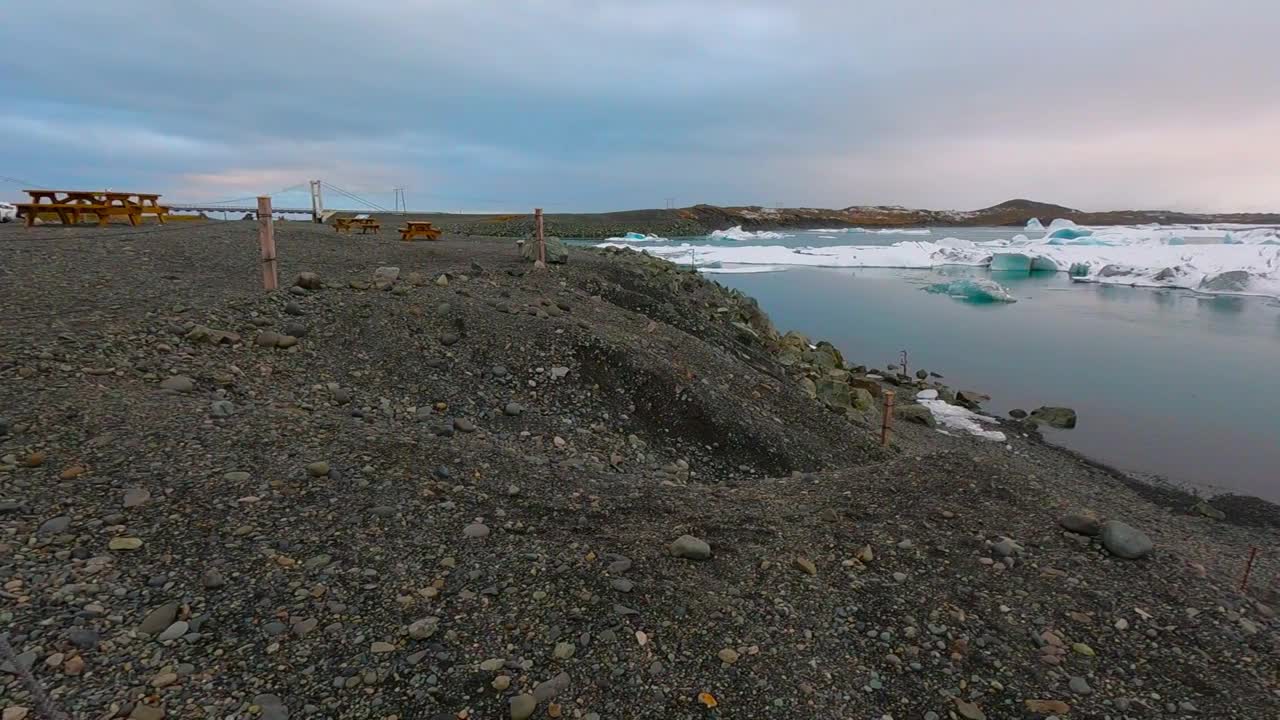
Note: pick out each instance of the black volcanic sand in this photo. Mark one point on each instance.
(461, 491)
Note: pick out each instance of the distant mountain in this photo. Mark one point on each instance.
(1010, 212)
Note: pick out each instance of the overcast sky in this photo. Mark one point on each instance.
(611, 104)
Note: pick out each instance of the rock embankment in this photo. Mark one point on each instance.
(601, 490)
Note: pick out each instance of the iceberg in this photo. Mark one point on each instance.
(737, 233)
(1010, 262)
(1069, 233)
(1033, 225)
(976, 290)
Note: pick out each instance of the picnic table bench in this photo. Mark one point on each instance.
(419, 229)
(364, 223)
(70, 205)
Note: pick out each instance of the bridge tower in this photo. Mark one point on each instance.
(317, 202)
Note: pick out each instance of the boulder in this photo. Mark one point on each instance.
(834, 393)
(871, 386)
(690, 547)
(861, 400)
(971, 399)
(1125, 541)
(915, 413)
(385, 277)
(1058, 417)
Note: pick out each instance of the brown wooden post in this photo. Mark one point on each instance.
(542, 243)
(267, 241)
(888, 418)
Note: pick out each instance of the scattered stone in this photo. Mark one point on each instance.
(1082, 523)
(690, 547)
(308, 281)
(501, 683)
(513, 409)
(222, 408)
(1079, 685)
(83, 638)
(621, 585)
(1124, 540)
(476, 530)
(272, 707)
(423, 629)
(146, 712)
(564, 651)
(1018, 414)
(523, 706)
(159, 619)
(728, 656)
(53, 526)
(463, 425)
(380, 647)
(969, 711)
(178, 383)
(806, 566)
(318, 469)
(124, 543)
(174, 631)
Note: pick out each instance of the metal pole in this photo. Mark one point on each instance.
(888, 418)
(542, 243)
(267, 243)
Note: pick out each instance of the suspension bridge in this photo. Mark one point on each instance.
(317, 210)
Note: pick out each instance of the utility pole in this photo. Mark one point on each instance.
(317, 202)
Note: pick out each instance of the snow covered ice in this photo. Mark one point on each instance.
(1214, 259)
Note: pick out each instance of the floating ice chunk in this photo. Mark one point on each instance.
(882, 231)
(1070, 233)
(1011, 262)
(977, 290)
(1033, 225)
(962, 419)
(737, 233)
(1061, 223)
(633, 237)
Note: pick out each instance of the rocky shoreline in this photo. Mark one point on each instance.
(426, 481)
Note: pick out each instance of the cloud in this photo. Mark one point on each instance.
(604, 104)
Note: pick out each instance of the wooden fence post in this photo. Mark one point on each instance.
(267, 241)
(888, 418)
(542, 243)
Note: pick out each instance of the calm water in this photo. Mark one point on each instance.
(1165, 382)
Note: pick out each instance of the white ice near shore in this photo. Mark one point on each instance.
(1215, 259)
(954, 417)
(737, 233)
(881, 231)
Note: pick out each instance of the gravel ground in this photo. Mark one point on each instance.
(457, 498)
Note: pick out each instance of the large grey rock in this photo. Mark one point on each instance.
(386, 276)
(273, 708)
(1059, 417)
(1207, 510)
(688, 546)
(971, 399)
(915, 413)
(53, 526)
(1125, 541)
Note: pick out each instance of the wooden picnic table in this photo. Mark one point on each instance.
(69, 205)
(365, 225)
(418, 229)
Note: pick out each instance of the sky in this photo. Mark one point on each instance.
(595, 105)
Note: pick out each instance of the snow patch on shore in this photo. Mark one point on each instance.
(954, 417)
